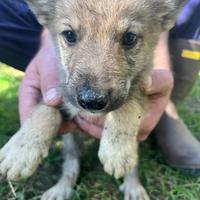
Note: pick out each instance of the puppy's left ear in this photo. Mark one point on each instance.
(167, 12)
(43, 9)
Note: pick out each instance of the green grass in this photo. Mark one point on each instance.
(161, 181)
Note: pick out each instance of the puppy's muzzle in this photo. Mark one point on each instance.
(91, 100)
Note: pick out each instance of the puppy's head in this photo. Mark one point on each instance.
(104, 46)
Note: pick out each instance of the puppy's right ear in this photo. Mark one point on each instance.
(42, 9)
(166, 11)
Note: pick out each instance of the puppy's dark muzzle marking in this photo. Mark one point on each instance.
(91, 100)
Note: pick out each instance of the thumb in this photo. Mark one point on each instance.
(49, 74)
(50, 89)
(160, 81)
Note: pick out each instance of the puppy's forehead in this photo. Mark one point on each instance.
(120, 13)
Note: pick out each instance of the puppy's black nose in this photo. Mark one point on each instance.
(91, 100)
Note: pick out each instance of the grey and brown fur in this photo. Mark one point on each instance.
(98, 60)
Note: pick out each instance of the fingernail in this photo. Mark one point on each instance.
(52, 96)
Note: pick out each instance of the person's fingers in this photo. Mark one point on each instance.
(96, 120)
(90, 124)
(67, 127)
(159, 94)
(29, 92)
(51, 91)
(49, 74)
(161, 82)
(88, 127)
(152, 117)
(29, 97)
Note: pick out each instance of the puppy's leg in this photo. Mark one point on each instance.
(132, 188)
(118, 146)
(64, 187)
(20, 157)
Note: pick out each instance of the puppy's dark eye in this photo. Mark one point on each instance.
(70, 37)
(129, 40)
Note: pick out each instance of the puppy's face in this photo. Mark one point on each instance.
(105, 47)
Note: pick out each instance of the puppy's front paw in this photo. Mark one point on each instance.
(133, 191)
(20, 157)
(118, 157)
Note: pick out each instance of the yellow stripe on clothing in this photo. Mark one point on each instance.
(193, 55)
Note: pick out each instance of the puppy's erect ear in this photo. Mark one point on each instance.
(167, 11)
(43, 9)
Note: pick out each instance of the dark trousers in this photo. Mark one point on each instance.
(185, 59)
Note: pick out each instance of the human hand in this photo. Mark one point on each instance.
(40, 82)
(158, 90)
(91, 125)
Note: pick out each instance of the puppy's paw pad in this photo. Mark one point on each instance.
(134, 192)
(58, 192)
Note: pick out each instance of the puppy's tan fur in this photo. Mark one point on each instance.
(99, 59)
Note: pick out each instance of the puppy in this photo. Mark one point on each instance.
(105, 51)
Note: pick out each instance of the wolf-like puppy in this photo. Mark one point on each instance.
(105, 51)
